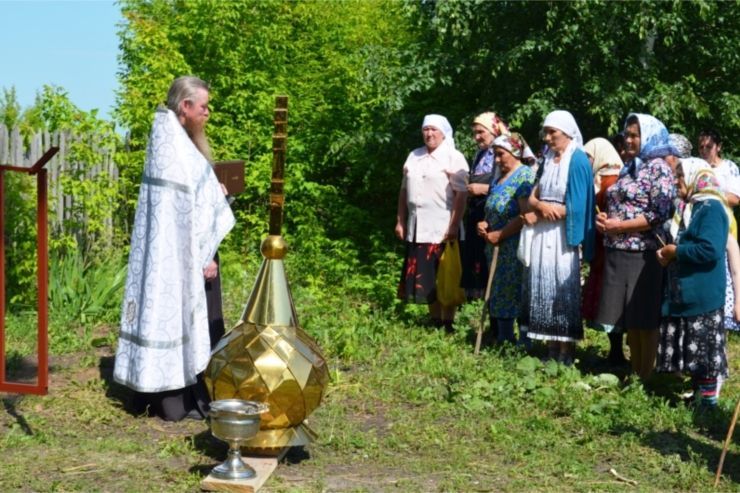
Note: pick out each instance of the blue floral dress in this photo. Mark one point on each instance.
(502, 205)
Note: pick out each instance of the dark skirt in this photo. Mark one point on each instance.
(695, 345)
(473, 253)
(419, 273)
(595, 280)
(523, 319)
(632, 289)
(191, 401)
(175, 405)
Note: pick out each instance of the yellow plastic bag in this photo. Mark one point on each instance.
(449, 274)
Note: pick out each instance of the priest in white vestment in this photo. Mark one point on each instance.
(181, 217)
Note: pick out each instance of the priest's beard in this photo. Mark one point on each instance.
(198, 136)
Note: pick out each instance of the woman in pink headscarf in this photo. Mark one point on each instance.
(431, 203)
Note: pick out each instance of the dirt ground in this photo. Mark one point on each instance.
(92, 441)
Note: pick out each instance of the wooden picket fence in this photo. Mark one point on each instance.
(14, 151)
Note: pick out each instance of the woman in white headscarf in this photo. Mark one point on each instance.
(562, 212)
(431, 203)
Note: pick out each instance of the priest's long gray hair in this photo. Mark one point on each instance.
(183, 89)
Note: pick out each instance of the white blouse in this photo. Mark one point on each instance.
(431, 181)
(728, 176)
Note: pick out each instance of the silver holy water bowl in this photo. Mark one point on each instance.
(235, 421)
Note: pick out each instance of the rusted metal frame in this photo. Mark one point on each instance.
(42, 279)
(32, 170)
(2, 275)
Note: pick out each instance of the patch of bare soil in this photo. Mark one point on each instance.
(84, 405)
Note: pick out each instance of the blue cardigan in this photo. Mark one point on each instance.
(580, 204)
(700, 256)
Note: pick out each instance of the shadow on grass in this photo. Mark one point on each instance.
(114, 390)
(713, 423)
(589, 358)
(208, 445)
(490, 344)
(296, 455)
(21, 368)
(9, 403)
(691, 449)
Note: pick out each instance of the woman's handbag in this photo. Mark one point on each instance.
(449, 274)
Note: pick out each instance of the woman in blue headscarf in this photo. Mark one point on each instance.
(638, 205)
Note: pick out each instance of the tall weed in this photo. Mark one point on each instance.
(86, 292)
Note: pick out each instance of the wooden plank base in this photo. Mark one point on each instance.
(264, 466)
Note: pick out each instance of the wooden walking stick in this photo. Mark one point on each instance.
(727, 444)
(491, 270)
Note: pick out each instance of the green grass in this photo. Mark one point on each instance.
(408, 409)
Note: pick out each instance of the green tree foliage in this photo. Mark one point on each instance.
(96, 196)
(10, 108)
(361, 74)
(679, 61)
(349, 69)
(83, 230)
(20, 237)
(13, 116)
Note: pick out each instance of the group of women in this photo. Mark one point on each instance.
(653, 224)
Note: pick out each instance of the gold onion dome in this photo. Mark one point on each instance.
(267, 357)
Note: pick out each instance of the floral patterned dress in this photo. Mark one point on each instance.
(695, 345)
(647, 191)
(502, 205)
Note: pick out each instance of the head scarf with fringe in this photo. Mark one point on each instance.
(514, 144)
(606, 158)
(491, 122)
(701, 185)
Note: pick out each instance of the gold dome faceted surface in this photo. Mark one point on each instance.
(268, 358)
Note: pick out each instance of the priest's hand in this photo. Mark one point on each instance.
(211, 271)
